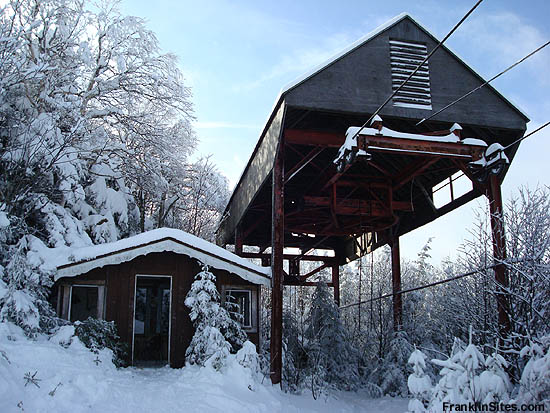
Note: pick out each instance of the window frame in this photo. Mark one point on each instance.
(254, 303)
(100, 299)
(229, 290)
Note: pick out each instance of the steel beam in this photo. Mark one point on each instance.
(302, 163)
(499, 253)
(336, 283)
(396, 285)
(277, 247)
(238, 240)
(381, 143)
(318, 258)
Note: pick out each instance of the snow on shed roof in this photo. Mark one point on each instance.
(78, 261)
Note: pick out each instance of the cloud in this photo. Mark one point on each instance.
(301, 60)
(504, 38)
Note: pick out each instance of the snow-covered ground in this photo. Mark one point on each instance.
(84, 382)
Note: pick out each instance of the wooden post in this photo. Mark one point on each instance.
(336, 281)
(277, 246)
(396, 285)
(499, 253)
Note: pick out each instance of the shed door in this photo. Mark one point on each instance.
(151, 344)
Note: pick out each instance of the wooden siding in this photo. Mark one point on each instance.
(120, 289)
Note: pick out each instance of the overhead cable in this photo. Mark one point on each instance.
(484, 84)
(417, 68)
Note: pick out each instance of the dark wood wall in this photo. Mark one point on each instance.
(120, 288)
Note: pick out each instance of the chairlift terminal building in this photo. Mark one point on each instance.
(313, 183)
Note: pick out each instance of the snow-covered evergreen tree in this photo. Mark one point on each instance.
(24, 291)
(446, 390)
(419, 383)
(391, 374)
(216, 333)
(294, 354)
(332, 360)
(495, 383)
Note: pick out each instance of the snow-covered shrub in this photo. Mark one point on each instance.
(470, 377)
(419, 383)
(99, 334)
(535, 377)
(332, 361)
(391, 373)
(495, 383)
(216, 333)
(248, 357)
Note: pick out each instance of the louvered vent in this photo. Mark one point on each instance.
(405, 57)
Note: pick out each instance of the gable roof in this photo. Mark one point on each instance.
(279, 101)
(79, 261)
(369, 36)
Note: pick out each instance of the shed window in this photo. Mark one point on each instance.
(405, 56)
(242, 298)
(84, 300)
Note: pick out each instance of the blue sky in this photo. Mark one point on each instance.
(237, 55)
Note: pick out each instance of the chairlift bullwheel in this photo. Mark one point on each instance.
(498, 167)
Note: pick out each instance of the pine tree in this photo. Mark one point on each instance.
(495, 382)
(446, 390)
(391, 373)
(332, 361)
(215, 331)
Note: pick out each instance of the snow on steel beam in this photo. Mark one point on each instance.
(392, 141)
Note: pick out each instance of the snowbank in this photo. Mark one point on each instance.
(90, 382)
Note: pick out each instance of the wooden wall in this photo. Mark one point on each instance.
(120, 288)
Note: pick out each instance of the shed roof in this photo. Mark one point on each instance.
(77, 261)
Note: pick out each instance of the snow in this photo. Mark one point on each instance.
(71, 380)
(412, 105)
(455, 126)
(387, 132)
(474, 142)
(4, 221)
(354, 131)
(493, 154)
(75, 261)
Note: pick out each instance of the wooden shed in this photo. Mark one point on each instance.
(141, 283)
(296, 190)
